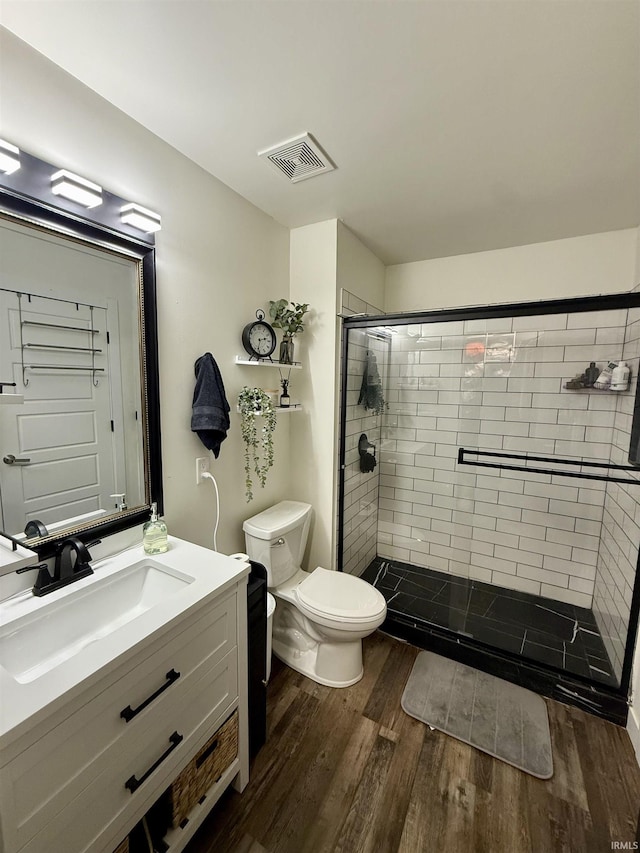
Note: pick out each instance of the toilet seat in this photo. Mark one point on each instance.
(339, 597)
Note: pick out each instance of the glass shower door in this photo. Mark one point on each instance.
(537, 562)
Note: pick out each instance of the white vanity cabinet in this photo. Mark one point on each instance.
(85, 775)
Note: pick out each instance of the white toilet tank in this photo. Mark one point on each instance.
(277, 538)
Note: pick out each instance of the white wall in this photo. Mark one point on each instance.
(313, 431)
(578, 266)
(218, 259)
(324, 258)
(359, 270)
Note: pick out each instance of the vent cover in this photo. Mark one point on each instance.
(298, 158)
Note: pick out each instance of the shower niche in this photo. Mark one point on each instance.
(502, 521)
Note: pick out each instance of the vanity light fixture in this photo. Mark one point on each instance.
(9, 157)
(140, 218)
(76, 189)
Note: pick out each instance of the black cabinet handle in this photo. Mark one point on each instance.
(129, 713)
(133, 784)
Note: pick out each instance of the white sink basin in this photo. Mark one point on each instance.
(35, 644)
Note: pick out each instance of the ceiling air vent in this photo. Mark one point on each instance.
(298, 158)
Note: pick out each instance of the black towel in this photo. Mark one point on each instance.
(371, 396)
(210, 414)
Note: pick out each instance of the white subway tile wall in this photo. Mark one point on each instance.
(499, 385)
(361, 524)
(618, 552)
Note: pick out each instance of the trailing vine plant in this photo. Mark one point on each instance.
(254, 404)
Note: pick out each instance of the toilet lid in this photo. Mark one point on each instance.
(339, 594)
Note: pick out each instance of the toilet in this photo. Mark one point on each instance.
(321, 616)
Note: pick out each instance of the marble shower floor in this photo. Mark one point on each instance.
(543, 630)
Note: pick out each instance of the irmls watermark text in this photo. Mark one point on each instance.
(625, 845)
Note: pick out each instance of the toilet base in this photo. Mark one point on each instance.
(333, 664)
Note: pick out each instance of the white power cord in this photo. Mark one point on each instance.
(148, 835)
(206, 475)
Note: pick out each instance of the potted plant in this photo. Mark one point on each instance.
(255, 403)
(290, 320)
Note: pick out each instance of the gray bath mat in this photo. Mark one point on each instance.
(502, 719)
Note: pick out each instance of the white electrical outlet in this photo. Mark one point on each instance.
(202, 465)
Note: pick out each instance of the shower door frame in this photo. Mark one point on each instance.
(579, 304)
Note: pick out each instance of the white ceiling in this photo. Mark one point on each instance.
(456, 125)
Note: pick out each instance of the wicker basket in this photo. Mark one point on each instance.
(123, 847)
(204, 769)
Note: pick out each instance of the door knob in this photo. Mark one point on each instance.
(10, 459)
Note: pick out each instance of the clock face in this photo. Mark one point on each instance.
(259, 339)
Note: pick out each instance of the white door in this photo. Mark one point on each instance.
(64, 430)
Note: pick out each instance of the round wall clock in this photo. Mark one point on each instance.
(259, 338)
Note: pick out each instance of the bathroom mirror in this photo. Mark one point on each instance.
(79, 412)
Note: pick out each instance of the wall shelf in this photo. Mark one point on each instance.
(592, 390)
(264, 362)
(294, 407)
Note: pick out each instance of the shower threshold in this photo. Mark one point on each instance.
(541, 630)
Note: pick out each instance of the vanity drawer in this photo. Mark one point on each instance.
(112, 796)
(43, 779)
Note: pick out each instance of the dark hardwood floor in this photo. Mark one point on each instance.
(345, 771)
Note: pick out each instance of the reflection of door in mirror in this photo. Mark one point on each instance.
(79, 431)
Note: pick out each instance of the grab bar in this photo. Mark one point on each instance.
(529, 458)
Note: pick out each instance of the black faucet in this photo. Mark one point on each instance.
(66, 567)
(71, 564)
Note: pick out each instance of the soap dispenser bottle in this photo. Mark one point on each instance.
(620, 377)
(154, 534)
(122, 501)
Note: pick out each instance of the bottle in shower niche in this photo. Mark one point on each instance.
(154, 534)
(590, 375)
(620, 377)
(603, 382)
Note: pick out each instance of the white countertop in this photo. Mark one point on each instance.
(11, 560)
(25, 705)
